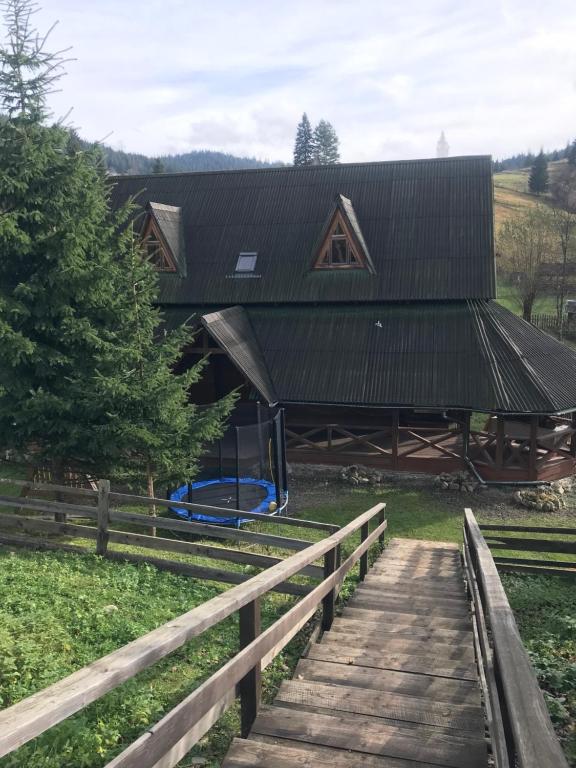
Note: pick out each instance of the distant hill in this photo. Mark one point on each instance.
(511, 193)
(121, 162)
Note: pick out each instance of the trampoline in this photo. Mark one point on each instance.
(255, 496)
(245, 470)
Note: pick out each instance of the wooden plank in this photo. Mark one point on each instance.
(35, 714)
(407, 619)
(535, 561)
(534, 738)
(537, 569)
(370, 736)
(408, 683)
(390, 706)
(375, 591)
(40, 505)
(286, 753)
(421, 606)
(127, 498)
(205, 550)
(412, 586)
(398, 643)
(103, 519)
(405, 661)
(532, 545)
(208, 530)
(36, 525)
(250, 686)
(526, 529)
(371, 630)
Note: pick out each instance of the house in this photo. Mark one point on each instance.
(361, 299)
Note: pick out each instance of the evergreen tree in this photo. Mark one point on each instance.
(82, 382)
(571, 153)
(325, 144)
(304, 144)
(538, 180)
(158, 166)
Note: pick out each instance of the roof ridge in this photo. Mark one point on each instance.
(305, 168)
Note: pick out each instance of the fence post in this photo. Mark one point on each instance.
(250, 686)
(329, 601)
(103, 516)
(364, 557)
(381, 518)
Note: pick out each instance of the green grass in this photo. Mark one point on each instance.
(545, 609)
(60, 611)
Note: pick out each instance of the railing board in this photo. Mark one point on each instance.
(32, 486)
(532, 545)
(534, 738)
(526, 529)
(28, 524)
(40, 505)
(35, 714)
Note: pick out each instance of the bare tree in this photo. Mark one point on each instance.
(563, 225)
(525, 243)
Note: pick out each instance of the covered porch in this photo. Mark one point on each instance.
(506, 449)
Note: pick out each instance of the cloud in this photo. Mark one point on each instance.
(498, 75)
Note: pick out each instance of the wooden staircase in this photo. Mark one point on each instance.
(393, 684)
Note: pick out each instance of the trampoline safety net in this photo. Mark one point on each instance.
(245, 470)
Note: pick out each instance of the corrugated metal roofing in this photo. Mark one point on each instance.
(426, 223)
(471, 355)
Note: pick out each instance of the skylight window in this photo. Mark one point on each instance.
(246, 262)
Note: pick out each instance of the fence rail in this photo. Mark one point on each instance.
(497, 539)
(521, 730)
(163, 745)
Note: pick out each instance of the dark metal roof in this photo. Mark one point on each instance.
(232, 329)
(472, 355)
(427, 225)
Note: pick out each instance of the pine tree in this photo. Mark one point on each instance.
(158, 166)
(571, 153)
(82, 382)
(304, 144)
(325, 144)
(538, 180)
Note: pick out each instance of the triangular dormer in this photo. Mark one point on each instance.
(342, 245)
(162, 237)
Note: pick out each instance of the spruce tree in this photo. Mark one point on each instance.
(326, 144)
(571, 153)
(158, 166)
(304, 144)
(82, 382)
(538, 180)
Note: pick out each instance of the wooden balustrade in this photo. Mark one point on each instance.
(165, 743)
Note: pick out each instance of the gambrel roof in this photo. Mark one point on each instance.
(426, 225)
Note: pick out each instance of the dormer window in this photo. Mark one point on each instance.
(341, 244)
(156, 254)
(162, 237)
(246, 262)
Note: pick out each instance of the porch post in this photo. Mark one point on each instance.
(573, 437)
(465, 434)
(499, 441)
(533, 455)
(395, 436)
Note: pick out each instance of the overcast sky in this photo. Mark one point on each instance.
(163, 76)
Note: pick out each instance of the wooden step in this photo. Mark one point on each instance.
(376, 590)
(411, 684)
(389, 706)
(396, 643)
(367, 632)
(269, 752)
(424, 588)
(413, 657)
(421, 606)
(370, 736)
(407, 619)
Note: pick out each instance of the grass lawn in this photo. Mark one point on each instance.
(60, 611)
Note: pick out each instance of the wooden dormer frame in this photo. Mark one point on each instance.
(151, 228)
(353, 248)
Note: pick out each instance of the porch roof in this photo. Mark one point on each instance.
(472, 355)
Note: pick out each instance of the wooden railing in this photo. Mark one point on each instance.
(103, 534)
(497, 539)
(520, 728)
(165, 743)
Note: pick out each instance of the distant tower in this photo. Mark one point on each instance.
(442, 148)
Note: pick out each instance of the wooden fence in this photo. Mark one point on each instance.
(497, 539)
(40, 533)
(520, 727)
(550, 324)
(165, 743)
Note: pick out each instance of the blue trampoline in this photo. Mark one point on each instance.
(227, 492)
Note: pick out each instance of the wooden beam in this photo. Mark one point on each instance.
(533, 455)
(500, 441)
